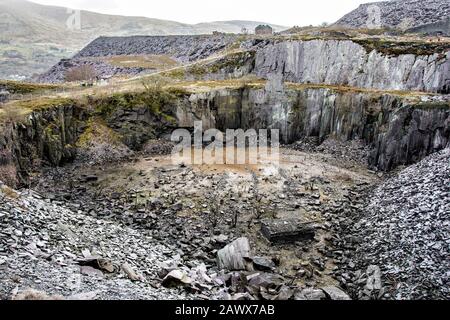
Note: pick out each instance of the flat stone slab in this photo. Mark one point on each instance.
(233, 256)
(288, 230)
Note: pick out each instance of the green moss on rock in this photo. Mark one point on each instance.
(396, 48)
(157, 100)
(232, 61)
(98, 131)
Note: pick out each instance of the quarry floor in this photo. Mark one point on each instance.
(194, 210)
(80, 229)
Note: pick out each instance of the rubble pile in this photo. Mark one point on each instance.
(394, 243)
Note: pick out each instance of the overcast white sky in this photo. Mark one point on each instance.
(282, 12)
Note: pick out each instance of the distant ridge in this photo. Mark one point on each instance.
(33, 37)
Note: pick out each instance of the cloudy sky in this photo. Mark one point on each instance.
(282, 12)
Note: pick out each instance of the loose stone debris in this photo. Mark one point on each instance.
(396, 242)
(300, 231)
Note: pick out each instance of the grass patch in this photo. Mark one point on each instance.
(442, 105)
(42, 103)
(16, 87)
(178, 74)
(197, 70)
(18, 110)
(396, 48)
(228, 63)
(190, 87)
(348, 89)
(156, 97)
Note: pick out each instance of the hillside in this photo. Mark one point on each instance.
(34, 37)
(402, 14)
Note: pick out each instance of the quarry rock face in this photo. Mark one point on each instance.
(397, 132)
(330, 219)
(48, 136)
(341, 62)
(333, 62)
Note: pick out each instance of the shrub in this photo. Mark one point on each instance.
(100, 144)
(81, 73)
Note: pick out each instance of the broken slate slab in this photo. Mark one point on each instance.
(176, 278)
(97, 263)
(131, 273)
(309, 294)
(233, 256)
(334, 293)
(263, 264)
(288, 231)
(266, 281)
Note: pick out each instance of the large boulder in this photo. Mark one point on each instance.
(286, 231)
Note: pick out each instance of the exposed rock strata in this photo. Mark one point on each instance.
(47, 136)
(397, 131)
(364, 64)
(344, 62)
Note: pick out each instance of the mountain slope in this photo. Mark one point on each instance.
(34, 37)
(403, 14)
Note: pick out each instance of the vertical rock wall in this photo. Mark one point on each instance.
(399, 132)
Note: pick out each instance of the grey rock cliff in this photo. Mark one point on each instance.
(348, 63)
(45, 137)
(398, 132)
